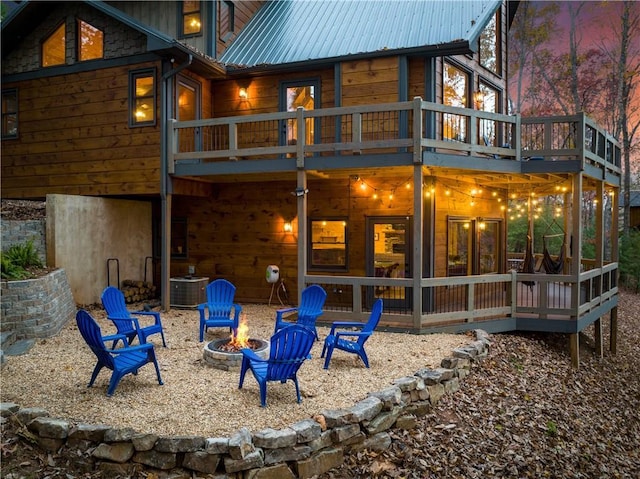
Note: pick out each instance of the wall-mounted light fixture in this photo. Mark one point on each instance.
(288, 227)
(242, 93)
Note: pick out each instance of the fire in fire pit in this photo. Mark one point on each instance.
(225, 353)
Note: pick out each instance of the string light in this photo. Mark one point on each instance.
(429, 190)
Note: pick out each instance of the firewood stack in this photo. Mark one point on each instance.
(136, 291)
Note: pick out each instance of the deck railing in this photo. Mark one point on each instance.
(408, 127)
(569, 137)
(465, 302)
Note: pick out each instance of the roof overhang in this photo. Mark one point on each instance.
(28, 15)
(461, 47)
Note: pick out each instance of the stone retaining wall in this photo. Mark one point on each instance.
(21, 231)
(302, 450)
(36, 308)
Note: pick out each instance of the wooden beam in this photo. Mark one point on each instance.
(597, 334)
(574, 347)
(417, 253)
(613, 331)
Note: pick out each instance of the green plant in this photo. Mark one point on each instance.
(10, 270)
(552, 429)
(517, 364)
(629, 260)
(17, 258)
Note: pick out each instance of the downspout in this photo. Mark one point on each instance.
(165, 184)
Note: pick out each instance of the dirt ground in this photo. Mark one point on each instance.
(22, 209)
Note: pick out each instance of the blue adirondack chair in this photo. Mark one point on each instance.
(121, 361)
(311, 304)
(290, 347)
(125, 321)
(359, 332)
(217, 311)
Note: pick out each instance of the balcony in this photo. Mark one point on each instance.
(405, 133)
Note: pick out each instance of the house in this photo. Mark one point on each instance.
(363, 146)
(634, 208)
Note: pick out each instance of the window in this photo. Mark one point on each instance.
(473, 246)
(489, 49)
(142, 97)
(455, 85)
(488, 100)
(459, 247)
(488, 253)
(90, 42)
(328, 249)
(10, 113)
(227, 20)
(191, 18)
(53, 48)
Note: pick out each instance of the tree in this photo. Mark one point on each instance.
(600, 80)
(534, 27)
(624, 57)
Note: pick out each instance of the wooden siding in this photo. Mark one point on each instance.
(163, 16)
(238, 231)
(263, 96)
(244, 10)
(634, 217)
(119, 40)
(365, 82)
(74, 138)
(263, 93)
(416, 86)
(160, 15)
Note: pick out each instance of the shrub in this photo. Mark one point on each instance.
(17, 258)
(629, 260)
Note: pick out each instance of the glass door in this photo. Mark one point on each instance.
(296, 94)
(388, 256)
(188, 108)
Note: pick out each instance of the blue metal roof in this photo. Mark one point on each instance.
(293, 31)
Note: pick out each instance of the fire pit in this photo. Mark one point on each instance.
(225, 353)
(221, 355)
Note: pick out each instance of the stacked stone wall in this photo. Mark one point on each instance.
(20, 231)
(302, 450)
(36, 308)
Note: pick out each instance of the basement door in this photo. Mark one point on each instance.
(388, 254)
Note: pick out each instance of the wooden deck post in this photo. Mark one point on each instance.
(301, 202)
(417, 255)
(574, 346)
(597, 334)
(613, 331)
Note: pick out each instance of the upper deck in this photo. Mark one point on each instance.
(391, 135)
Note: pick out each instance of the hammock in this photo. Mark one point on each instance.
(550, 265)
(529, 263)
